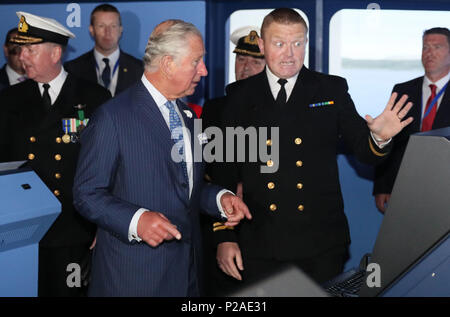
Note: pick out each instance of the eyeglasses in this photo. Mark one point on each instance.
(14, 50)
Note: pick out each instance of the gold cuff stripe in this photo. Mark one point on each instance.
(372, 148)
(222, 228)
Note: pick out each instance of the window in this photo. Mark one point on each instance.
(375, 49)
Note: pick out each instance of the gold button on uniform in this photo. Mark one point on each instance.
(271, 185)
(301, 207)
(57, 175)
(32, 139)
(269, 142)
(273, 207)
(58, 140)
(299, 185)
(299, 163)
(298, 141)
(58, 157)
(31, 156)
(270, 163)
(56, 192)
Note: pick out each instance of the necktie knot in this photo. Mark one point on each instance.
(282, 82)
(433, 89)
(46, 87)
(281, 97)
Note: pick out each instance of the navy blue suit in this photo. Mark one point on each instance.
(125, 164)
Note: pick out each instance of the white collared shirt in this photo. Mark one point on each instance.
(13, 76)
(426, 91)
(275, 86)
(55, 85)
(113, 60)
(160, 101)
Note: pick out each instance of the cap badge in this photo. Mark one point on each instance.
(252, 38)
(23, 26)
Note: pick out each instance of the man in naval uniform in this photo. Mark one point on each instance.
(297, 206)
(40, 122)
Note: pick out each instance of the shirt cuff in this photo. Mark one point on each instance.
(219, 205)
(378, 143)
(132, 229)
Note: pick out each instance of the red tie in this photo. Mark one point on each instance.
(427, 122)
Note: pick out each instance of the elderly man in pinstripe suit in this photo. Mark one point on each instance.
(146, 205)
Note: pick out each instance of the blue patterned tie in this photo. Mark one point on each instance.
(176, 130)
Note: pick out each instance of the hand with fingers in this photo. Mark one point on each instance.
(381, 201)
(390, 122)
(229, 259)
(235, 209)
(154, 228)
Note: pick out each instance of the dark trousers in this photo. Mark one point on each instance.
(58, 270)
(321, 269)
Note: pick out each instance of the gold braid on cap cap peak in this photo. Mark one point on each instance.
(20, 38)
(248, 45)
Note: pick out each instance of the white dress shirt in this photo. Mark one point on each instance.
(13, 76)
(160, 101)
(113, 65)
(55, 85)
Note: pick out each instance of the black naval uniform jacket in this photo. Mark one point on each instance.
(298, 211)
(130, 69)
(386, 172)
(28, 132)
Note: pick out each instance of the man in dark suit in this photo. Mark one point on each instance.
(107, 64)
(35, 126)
(12, 72)
(421, 91)
(139, 180)
(294, 193)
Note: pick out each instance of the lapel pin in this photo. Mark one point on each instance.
(188, 113)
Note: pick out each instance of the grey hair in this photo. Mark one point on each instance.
(170, 38)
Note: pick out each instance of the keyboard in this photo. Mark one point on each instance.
(346, 284)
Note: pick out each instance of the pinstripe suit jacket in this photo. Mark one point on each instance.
(125, 164)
